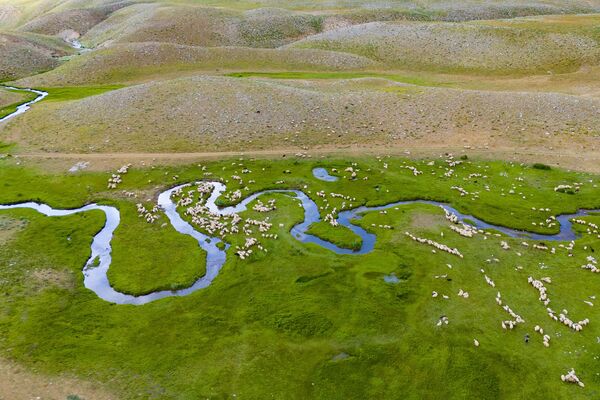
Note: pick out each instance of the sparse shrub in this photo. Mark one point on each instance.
(542, 166)
(316, 23)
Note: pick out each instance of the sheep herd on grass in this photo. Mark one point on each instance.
(439, 246)
(150, 216)
(193, 202)
(507, 324)
(562, 317)
(116, 179)
(592, 264)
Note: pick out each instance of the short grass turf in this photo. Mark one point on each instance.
(338, 235)
(67, 93)
(299, 321)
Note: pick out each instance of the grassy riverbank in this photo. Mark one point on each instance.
(339, 235)
(299, 321)
(8, 104)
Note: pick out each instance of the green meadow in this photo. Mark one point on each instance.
(67, 93)
(298, 321)
(255, 95)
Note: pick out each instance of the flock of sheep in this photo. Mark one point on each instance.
(192, 202)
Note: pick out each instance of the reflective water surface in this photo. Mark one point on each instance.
(96, 268)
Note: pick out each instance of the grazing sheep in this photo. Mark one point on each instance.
(437, 245)
(570, 377)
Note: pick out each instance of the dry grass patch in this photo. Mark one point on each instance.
(79, 20)
(133, 62)
(204, 113)
(9, 97)
(425, 220)
(203, 26)
(466, 48)
(17, 382)
(27, 54)
(9, 227)
(42, 278)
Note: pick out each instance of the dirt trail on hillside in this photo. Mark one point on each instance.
(588, 161)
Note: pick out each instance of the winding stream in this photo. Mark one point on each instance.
(40, 93)
(96, 268)
(25, 106)
(76, 44)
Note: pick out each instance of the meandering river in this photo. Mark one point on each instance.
(96, 268)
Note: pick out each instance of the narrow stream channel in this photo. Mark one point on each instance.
(25, 106)
(96, 268)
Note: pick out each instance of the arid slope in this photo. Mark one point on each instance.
(212, 113)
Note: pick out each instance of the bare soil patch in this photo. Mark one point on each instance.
(18, 383)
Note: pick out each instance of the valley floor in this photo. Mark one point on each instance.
(332, 323)
(492, 108)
